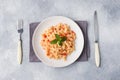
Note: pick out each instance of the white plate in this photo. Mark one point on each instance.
(40, 53)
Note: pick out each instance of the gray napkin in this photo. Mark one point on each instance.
(85, 53)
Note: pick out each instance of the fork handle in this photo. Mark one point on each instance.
(19, 52)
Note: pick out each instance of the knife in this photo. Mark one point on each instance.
(96, 34)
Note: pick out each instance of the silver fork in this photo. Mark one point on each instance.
(20, 31)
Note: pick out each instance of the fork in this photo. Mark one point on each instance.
(20, 31)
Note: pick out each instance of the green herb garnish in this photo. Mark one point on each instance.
(59, 40)
(54, 41)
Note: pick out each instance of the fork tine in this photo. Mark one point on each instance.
(20, 24)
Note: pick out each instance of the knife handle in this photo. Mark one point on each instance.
(19, 52)
(97, 54)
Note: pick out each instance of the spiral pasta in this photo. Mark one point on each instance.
(54, 51)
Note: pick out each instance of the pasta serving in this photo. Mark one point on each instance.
(62, 50)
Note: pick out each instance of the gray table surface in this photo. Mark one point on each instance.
(37, 10)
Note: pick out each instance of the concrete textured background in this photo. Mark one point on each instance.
(37, 10)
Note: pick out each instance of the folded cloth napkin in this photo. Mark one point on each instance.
(85, 53)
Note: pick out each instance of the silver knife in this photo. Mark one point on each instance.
(97, 50)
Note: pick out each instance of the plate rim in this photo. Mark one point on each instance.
(34, 44)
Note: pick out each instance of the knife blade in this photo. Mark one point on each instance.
(96, 35)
